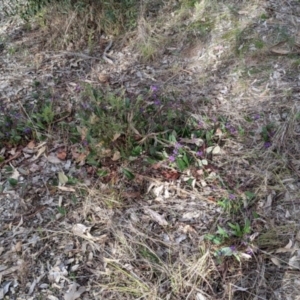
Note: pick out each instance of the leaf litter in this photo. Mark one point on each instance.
(91, 233)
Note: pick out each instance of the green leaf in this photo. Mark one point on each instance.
(102, 173)
(250, 196)
(12, 181)
(136, 151)
(222, 231)
(62, 210)
(186, 159)
(181, 164)
(128, 174)
(247, 227)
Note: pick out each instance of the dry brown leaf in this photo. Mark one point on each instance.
(170, 174)
(280, 51)
(15, 175)
(82, 231)
(31, 145)
(156, 217)
(103, 77)
(216, 150)
(40, 152)
(218, 132)
(53, 159)
(116, 156)
(66, 189)
(62, 154)
(156, 166)
(18, 247)
(116, 136)
(63, 179)
(275, 261)
(74, 293)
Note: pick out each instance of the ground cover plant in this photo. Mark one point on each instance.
(153, 157)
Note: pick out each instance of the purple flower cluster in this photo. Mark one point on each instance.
(175, 153)
(154, 90)
(231, 196)
(267, 145)
(256, 117)
(230, 128)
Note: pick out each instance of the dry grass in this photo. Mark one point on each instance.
(130, 253)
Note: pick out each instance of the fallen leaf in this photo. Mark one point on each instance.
(82, 231)
(280, 51)
(40, 152)
(53, 159)
(74, 293)
(56, 273)
(218, 132)
(51, 297)
(18, 247)
(116, 136)
(66, 188)
(12, 151)
(294, 262)
(116, 156)
(15, 174)
(62, 155)
(216, 150)
(170, 174)
(276, 261)
(63, 179)
(5, 288)
(31, 145)
(200, 296)
(156, 166)
(289, 245)
(156, 217)
(196, 141)
(209, 149)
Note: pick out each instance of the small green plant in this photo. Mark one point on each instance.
(14, 126)
(240, 231)
(219, 237)
(230, 204)
(62, 210)
(148, 254)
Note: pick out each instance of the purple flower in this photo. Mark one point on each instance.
(153, 88)
(271, 133)
(172, 158)
(84, 143)
(178, 146)
(199, 153)
(267, 145)
(233, 248)
(230, 128)
(77, 88)
(249, 251)
(256, 117)
(27, 130)
(157, 102)
(231, 196)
